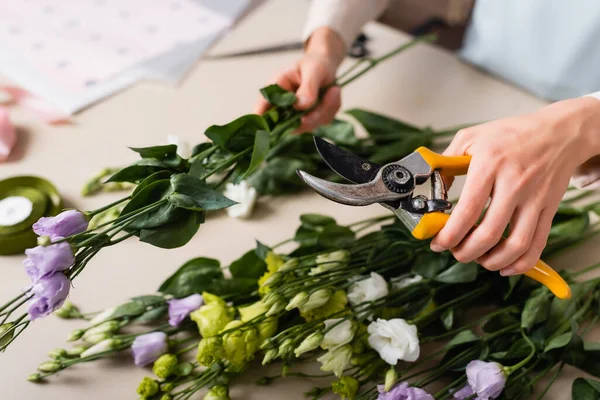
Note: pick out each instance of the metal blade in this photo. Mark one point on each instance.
(350, 194)
(346, 164)
(258, 51)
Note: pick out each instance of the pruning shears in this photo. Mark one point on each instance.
(392, 185)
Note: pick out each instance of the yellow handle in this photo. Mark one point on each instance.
(452, 166)
(432, 223)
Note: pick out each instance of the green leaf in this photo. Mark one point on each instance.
(155, 314)
(250, 265)
(279, 176)
(193, 194)
(158, 152)
(174, 234)
(131, 309)
(340, 132)
(234, 286)
(459, 273)
(536, 308)
(198, 168)
(519, 350)
(558, 342)
(278, 96)
(137, 172)
(151, 194)
(200, 147)
(559, 308)
(498, 322)
(513, 281)
(377, 124)
(157, 176)
(262, 142)
(585, 389)
(400, 148)
(429, 264)
(462, 337)
(237, 135)
(195, 276)
(261, 250)
(316, 220)
(335, 236)
(149, 300)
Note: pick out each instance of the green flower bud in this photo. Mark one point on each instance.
(266, 329)
(34, 378)
(316, 300)
(76, 351)
(391, 378)
(252, 311)
(101, 347)
(289, 265)
(311, 342)
(218, 392)
(273, 261)
(75, 335)
(330, 261)
(103, 316)
(96, 338)
(6, 333)
(148, 387)
(57, 353)
(286, 347)
(336, 360)
(167, 387)
(272, 298)
(273, 279)
(68, 311)
(212, 316)
(297, 301)
(346, 387)
(49, 366)
(44, 241)
(235, 347)
(276, 308)
(105, 327)
(166, 396)
(164, 365)
(210, 350)
(270, 355)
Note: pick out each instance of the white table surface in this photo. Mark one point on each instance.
(425, 86)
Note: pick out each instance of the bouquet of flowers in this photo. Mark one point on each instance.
(172, 194)
(367, 302)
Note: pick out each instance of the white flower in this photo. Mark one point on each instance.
(401, 282)
(105, 345)
(183, 147)
(394, 340)
(316, 300)
(103, 316)
(330, 261)
(245, 195)
(337, 336)
(336, 360)
(369, 289)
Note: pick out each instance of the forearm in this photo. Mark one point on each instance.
(345, 17)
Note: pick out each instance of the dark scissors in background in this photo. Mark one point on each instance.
(357, 50)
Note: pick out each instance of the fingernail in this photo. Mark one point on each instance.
(508, 271)
(304, 101)
(436, 247)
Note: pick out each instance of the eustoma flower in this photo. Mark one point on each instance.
(394, 340)
(369, 289)
(179, 309)
(337, 333)
(147, 348)
(49, 294)
(65, 224)
(243, 194)
(43, 261)
(403, 391)
(486, 380)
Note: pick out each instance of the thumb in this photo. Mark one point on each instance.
(311, 79)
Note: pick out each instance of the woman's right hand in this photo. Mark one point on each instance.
(316, 69)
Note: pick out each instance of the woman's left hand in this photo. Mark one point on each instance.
(524, 165)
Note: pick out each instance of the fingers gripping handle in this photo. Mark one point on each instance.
(447, 165)
(432, 223)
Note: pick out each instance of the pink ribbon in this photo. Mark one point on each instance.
(38, 107)
(8, 136)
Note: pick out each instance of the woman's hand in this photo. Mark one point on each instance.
(316, 69)
(524, 165)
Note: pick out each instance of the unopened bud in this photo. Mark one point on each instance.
(316, 300)
(297, 301)
(311, 342)
(97, 338)
(105, 327)
(273, 279)
(34, 378)
(271, 298)
(167, 387)
(76, 351)
(289, 265)
(269, 356)
(44, 241)
(276, 308)
(68, 311)
(286, 347)
(391, 377)
(76, 335)
(57, 353)
(101, 347)
(49, 366)
(6, 333)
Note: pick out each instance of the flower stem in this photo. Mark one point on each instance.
(90, 214)
(510, 370)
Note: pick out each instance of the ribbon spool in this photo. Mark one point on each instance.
(24, 200)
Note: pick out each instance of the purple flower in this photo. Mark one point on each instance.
(179, 309)
(63, 225)
(49, 294)
(465, 393)
(147, 348)
(403, 392)
(486, 379)
(43, 261)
